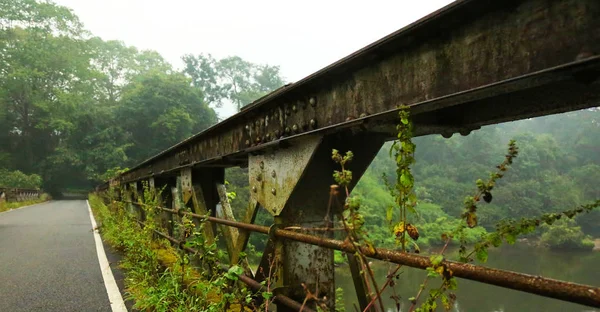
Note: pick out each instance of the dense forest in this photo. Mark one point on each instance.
(74, 109)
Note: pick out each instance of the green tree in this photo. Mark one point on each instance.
(159, 110)
(17, 179)
(564, 234)
(231, 79)
(44, 74)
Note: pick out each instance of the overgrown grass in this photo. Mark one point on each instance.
(159, 277)
(4, 206)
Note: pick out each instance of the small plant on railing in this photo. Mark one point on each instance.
(353, 221)
(402, 191)
(509, 230)
(444, 291)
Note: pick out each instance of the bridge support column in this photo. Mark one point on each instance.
(162, 188)
(293, 184)
(204, 196)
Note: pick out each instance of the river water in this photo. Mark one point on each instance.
(579, 267)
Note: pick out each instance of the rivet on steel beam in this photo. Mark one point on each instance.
(294, 108)
(313, 123)
(447, 134)
(268, 136)
(247, 127)
(262, 164)
(259, 177)
(247, 142)
(363, 115)
(254, 189)
(273, 173)
(313, 101)
(257, 123)
(287, 130)
(273, 191)
(295, 128)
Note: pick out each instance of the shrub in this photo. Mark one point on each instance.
(564, 234)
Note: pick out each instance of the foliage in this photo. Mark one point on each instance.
(231, 79)
(73, 106)
(5, 206)
(160, 277)
(353, 220)
(112, 173)
(555, 171)
(565, 235)
(17, 179)
(402, 191)
(484, 189)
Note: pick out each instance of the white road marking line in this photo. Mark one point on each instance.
(114, 295)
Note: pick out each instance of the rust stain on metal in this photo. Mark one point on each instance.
(482, 43)
(572, 292)
(274, 175)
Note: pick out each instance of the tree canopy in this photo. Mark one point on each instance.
(74, 107)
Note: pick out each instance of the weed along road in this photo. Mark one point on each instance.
(49, 260)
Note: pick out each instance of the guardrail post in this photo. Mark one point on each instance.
(293, 185)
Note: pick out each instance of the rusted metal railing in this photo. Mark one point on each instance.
(256, 286)
(547, 287)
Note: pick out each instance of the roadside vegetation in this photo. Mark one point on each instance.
(160, 277)
(6, 206)
(18, 179)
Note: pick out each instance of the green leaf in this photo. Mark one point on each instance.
(267, 295)
(482, 255)
(405, 180)
(236, 270)
(389, 213)
(510, 238)
(436, 260)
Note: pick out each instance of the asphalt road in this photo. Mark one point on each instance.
(48, 260)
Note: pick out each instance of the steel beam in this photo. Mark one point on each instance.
(293, 184)
(472, 63)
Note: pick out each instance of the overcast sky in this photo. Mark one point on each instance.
(301, 36)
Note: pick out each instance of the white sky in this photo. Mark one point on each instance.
(301, 37)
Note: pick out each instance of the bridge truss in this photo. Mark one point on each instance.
(469, 64)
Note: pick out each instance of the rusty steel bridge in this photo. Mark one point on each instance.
(469, 64)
